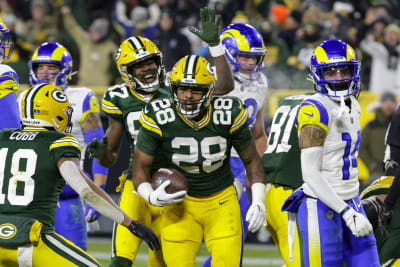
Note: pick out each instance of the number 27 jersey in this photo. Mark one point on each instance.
(200, 151)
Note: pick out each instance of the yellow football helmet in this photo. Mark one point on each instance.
(194, 72)
(134, 50)
(47, 106)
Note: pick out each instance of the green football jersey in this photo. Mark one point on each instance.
(282, 158)
(125, 105)
(30, 182)
(201, 150)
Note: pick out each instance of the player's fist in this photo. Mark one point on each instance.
(97, 148)
(256, 216)
(209, 32)
(160, 197)
(146, 234)
(357, 222)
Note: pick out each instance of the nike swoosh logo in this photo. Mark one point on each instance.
(222, 202)
(310, 115)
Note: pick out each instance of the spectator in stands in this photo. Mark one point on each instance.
(385, 58)
(372, 147)
(173, 44)
(292, 24)
(96, 50)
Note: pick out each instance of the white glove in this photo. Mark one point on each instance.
(238, 186)
(256, 215)
(160, 197)
(357, 222)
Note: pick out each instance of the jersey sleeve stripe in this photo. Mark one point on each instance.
(239, 120)
(110, 108)
(66, 143)
(323, 113)
(150, 124)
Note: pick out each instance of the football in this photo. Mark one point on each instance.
(178, 180)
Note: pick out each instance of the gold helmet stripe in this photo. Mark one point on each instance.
(29, 98)
(136, 43)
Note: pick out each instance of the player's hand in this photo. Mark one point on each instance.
(97, 149)
(357, 222)
(209, 32)
(384, 219)
(256, 217)
(238, 186)
(146, 234)
(160, 197)
(91, 214)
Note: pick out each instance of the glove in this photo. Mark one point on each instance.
(97, 149)
(209, 26)
(91, 214)
(238, 186)
(384, 219)
(146, 234)
(256, 217)
(160, 197)
(357, 222)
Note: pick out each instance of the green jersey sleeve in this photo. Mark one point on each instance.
(67, 145)
(111, 102)
(150, 133)
(240, 132)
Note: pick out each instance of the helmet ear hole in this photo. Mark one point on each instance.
(59, 118)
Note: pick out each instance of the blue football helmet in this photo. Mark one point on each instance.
(335, 69)
(5, 43)
(242, 38)
(51, 52)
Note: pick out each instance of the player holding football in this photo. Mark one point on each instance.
(245, 51)
(195, 133)
(52, 63)
(9, 83)
(35, 164)
(140, 64)
(331, 222)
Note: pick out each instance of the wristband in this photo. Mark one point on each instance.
(217, 50)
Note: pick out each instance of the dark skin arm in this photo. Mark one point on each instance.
(141, 167)
(260, 138)
(253, 163)
(225, 82)
(311, 136)
(114, 135)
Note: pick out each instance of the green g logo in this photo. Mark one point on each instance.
(59, 96)
(7, 231)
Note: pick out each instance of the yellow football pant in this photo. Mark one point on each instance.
(278, 223)
(217, 217)
(51, 250)
(125, 244)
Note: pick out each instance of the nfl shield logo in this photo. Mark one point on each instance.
(36, 111)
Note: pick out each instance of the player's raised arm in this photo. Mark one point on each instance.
(209, 33)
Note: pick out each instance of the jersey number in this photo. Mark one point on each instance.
(212, 160)
(280, 142)
(18, 176)
(346, 157)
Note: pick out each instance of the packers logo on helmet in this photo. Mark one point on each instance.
(134, 51)
(192, 72)
(47, 106)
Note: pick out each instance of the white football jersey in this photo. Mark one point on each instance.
(342, 143)
(252, 93)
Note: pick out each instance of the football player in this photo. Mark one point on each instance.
(139, 62)
(283, 151)
(9, 83)
(245, 51)
(52, 63)
(387, 236)
(35, 164)
(331, 221)
(195, 133)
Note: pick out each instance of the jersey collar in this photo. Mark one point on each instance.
(144, 97)
(197, 124)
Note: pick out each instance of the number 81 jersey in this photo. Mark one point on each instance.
(200, 150)
(342, 142)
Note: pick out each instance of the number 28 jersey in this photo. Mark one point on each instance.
(200, 151)
(343, 139)
(30, 182)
